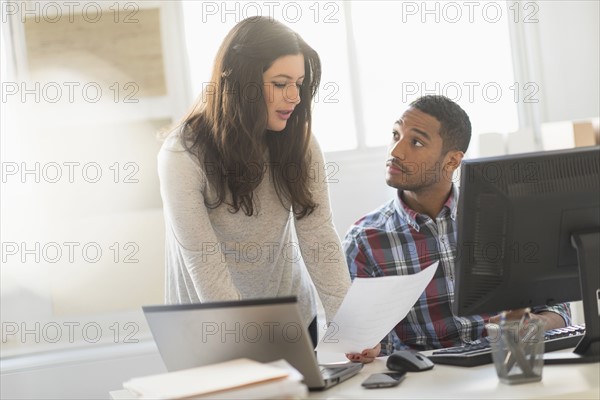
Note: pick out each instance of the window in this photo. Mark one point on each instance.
(207, 23)
(458, 49)
(82, 225)
(380, 55)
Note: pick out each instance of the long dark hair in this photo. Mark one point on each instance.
(227, 128)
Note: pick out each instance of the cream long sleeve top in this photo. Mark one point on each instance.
(214, 255)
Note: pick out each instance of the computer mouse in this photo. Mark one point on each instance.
(408, 360)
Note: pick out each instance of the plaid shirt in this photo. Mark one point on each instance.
(396, 240)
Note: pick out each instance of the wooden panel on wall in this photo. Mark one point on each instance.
(103, 51)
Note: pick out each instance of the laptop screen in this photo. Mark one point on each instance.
(265, 330)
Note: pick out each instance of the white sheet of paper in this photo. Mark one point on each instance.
(371, 309)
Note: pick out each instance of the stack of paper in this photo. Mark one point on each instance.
(241, 378)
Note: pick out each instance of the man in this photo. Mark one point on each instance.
(418, 228)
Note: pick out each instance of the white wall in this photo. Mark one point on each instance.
(569, 42)
(358, 186)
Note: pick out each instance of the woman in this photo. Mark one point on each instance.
(243, 185)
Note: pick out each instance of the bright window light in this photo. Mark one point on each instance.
(452, 48)
(321, 25)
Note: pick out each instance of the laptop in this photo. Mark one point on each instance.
(265, 330)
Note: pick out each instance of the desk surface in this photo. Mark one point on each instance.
(574, 381)
(450, 382)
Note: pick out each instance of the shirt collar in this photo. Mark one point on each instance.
(452, 202)
(410, 216)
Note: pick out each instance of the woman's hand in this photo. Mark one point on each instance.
(366, 356)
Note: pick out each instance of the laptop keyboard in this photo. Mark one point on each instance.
(480, 352)
(330, 371)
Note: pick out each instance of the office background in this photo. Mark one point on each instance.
(86, 86)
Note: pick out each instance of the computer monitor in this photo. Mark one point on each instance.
(529, 235)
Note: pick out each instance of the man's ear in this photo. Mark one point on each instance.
(453, 160)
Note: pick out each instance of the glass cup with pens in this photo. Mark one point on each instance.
(517, 349)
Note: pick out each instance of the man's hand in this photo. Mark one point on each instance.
(366, 356)
(510, 315)
(551, 319)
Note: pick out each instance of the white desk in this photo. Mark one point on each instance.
(574, 381)
(448, 382)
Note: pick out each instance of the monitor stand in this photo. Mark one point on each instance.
(587, 244)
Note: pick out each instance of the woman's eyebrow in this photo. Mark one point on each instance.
(286, 76)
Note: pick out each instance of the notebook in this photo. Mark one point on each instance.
(264, 330)
(235, 379)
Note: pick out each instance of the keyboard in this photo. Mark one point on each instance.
(480, 352)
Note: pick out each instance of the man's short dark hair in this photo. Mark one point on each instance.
(455, 128)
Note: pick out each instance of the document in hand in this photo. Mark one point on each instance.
(371, 309)
(231, 379)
